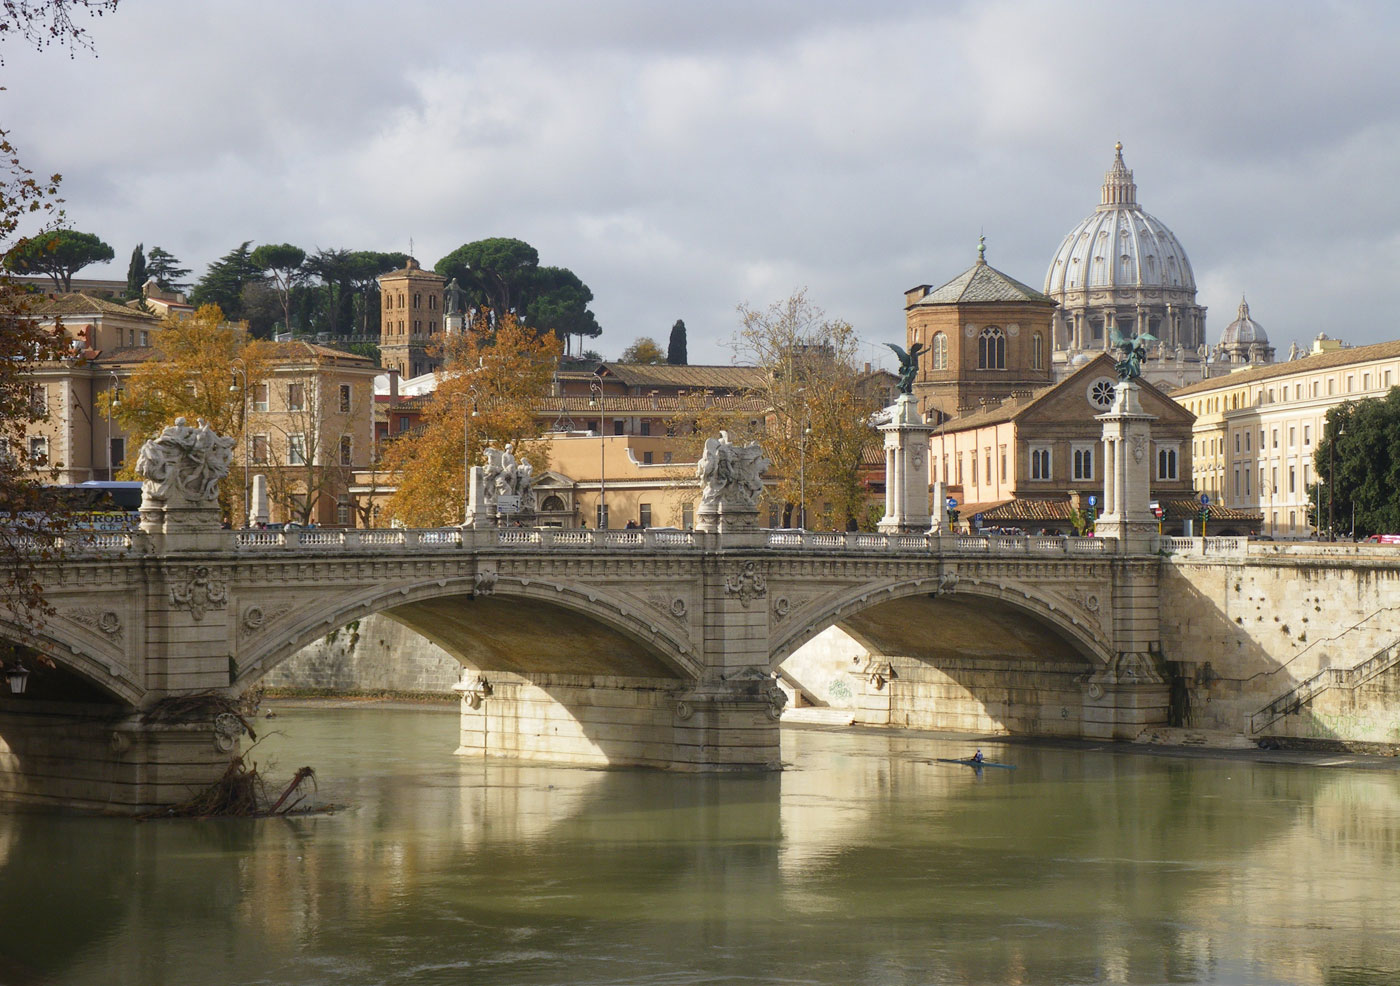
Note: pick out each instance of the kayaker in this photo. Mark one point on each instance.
(977, 757)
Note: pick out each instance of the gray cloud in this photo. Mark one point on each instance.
(685, 157)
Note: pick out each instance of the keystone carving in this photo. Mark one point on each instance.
(748, 584)
(200, 593)
(484, 583)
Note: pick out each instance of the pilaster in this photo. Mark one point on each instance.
(906, 469)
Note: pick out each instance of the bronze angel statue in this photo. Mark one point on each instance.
(1134, 353)
(908, 365)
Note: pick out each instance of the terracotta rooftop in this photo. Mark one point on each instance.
(64, 305)
(688, 377)
(1317, 361)
(982, 283)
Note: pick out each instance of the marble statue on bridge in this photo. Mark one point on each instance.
(506, 476)
(185, 462)
(731, 474)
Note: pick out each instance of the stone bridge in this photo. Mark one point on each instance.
(628, 647)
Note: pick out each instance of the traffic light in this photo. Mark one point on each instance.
(952, 518)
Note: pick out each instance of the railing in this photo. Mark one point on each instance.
(1305, 691)
(1236, 546)
(315, 540)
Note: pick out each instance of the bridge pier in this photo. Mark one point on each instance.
(97, 757)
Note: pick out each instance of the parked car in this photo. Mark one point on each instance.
(1383, 539)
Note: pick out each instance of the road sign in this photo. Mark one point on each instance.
(977, 520)
(1205, 500)
(508, 503)
(952, 503)
(1093, 501)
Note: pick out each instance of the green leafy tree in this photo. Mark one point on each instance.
(675, 349)
(166, 269)
(1364, 437)
(503, 276)
(135, 273)
(644, 350)
(223, 281)
(284, 264)
(494, 272)
(59, 253)
(558, 302)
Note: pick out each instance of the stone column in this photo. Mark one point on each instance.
(906, 485)
(480, 511)
(1127, 439)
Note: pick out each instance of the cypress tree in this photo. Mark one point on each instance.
(675, 349)
(136, 273)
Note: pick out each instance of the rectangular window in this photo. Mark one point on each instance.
(619, 427)
(1247, 474)
(260, 397)
(1275, 437)
(972, 465)
(145, 338)
(1246, 443)
(259, 451)
(646, 427)
(988, 473)
(1292, 437)
(1365, 381)
(1350, 380)
(646, 458)
(1166, 463)
(666, 457)
(688, 515)
(39, 451)
(602, 516)
(1331, 386)
(403, 423)
(1040, 463)
(346, 450)
(644, 514)
(1084, 463)
(1293, 479)
(38, 399)
(1237, 443)
(296, 397)
(345, 398)
(1237, 484)
(296, 450)
(1307, 435)
(1003, 463)
(342, 510)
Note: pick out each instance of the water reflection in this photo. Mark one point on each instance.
(863, 863)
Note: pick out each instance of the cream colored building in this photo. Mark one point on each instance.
(1257, 430)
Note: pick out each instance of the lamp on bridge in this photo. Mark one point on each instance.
(595, 389)
(240, 369)
(18, 677)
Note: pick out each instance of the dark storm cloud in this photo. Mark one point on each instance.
(685, 157)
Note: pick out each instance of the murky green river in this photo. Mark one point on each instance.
(862, 863)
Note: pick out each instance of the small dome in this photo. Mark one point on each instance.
(1243, 331)
(1079, 359)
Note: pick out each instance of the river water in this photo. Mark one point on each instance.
(861, 863)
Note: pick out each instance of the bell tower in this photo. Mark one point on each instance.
(410, 320)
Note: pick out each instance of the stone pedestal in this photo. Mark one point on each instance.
(726, 518)
(906, 469)
(1127, 456)
(480, 512)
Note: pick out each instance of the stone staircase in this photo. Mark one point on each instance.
(1305, 691)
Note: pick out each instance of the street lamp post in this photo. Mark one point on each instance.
(802, 471)
(116, 394)
(240, 369)
(1332, 482)
(468, 412)
(595, 390)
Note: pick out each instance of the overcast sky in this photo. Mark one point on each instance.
(683, 158)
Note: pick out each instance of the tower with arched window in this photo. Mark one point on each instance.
(987, 337)
(410, 320)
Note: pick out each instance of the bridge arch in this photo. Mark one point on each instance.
(1080, 631)
(454, 613)
(82, 653)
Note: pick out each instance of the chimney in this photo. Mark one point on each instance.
(393, 386)
(867, 368)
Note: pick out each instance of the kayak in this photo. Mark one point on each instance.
(969, 762)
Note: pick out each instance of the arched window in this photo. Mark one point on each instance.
(991, 349)
(940, 351)
(1037, 352)
(552, 503)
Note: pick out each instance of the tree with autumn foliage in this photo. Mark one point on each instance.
(27, 201)
(817, 422)
(488, 391)
(200, 374)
